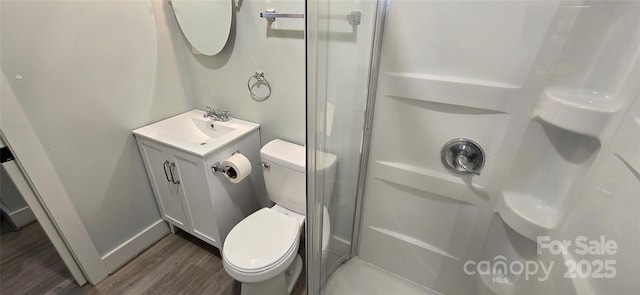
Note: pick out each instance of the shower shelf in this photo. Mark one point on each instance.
(578, 110)
(528, 215)
(551, 165)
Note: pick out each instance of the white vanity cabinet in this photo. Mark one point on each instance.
(179, 181)
(158, 159)
(196, 199)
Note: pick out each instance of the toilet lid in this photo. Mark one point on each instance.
(260, 240)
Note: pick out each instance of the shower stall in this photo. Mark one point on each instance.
(484, 147)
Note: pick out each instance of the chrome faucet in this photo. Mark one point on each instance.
(222, 116)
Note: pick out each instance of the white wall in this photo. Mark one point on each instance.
(86, 74)
(220, 81)
(43, 190)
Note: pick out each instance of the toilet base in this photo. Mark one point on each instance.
(282, 284)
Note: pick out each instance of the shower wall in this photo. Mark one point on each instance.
(607, 207)
(524, 80)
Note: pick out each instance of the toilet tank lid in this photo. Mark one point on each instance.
(285, 154)
(293, 156)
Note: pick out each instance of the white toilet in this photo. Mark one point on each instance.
(262, 250)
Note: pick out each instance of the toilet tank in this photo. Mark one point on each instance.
(284, 174)
(285, 177)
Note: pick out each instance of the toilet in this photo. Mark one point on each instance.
(261, 251)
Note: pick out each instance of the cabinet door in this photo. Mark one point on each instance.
(198, 200)
(156, 160)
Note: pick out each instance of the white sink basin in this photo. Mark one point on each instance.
(192, 133)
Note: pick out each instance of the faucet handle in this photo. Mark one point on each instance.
(207, 112)
(225, 115)
(463, 162)
(463, 156)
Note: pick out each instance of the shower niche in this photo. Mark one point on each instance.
(589, 87)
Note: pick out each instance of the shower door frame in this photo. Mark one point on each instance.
(374, 70)
(313, 224)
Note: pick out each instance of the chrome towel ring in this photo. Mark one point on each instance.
(259, 80)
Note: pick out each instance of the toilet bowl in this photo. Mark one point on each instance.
(265, 245)
(262, 245)
(262, 250)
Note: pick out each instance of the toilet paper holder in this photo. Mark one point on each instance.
(217, 166)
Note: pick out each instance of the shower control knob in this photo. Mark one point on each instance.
(463, 156)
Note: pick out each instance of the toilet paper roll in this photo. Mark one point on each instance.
(237, 167)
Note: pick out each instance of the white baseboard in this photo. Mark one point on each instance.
(128, 250)
(22, 217)
(18, 218)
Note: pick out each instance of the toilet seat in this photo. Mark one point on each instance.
(266, 242)
(261, 244)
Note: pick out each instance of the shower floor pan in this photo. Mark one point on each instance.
(360, 277)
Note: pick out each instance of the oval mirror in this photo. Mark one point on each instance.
(205, 23)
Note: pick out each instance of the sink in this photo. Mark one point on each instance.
(192, 133)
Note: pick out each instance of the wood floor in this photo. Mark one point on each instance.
(28, 261)
(177, 264)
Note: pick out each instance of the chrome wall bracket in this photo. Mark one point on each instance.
(217, 166)
(353, 17)
(463, 156)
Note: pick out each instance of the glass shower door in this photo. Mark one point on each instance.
(339, 38)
